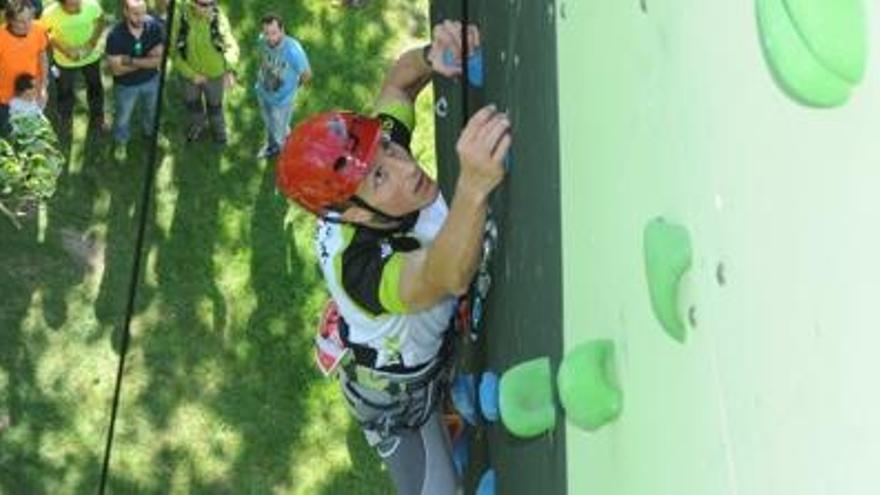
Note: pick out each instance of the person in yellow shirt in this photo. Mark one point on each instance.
(75, 27)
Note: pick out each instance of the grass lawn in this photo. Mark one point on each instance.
(219, 394)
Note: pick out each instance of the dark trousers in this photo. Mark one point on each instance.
(94, 90)
(4, 120)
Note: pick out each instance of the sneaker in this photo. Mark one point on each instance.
(268, 151)
(220, 138)
(120, 152)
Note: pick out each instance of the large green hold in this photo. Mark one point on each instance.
(526, 398)
(816, 49)
(836, 32)
(667, 258)
(587, 388)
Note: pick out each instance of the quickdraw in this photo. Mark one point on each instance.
(471, 307)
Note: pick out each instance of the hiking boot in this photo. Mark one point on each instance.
(220, 138)
(194, 132)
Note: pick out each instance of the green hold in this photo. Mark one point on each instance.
(526, 398)
(836, 32)
(667, 258)
(795, 49)
(587, 385)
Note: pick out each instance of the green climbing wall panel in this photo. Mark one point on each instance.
(524, 308)
(671, 109)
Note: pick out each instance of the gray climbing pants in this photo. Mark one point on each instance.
(205, 101)
(405, 428)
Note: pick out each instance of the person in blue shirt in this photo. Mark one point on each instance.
(134, 51)
(283, 68)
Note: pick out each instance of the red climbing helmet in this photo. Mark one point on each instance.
(326, 157)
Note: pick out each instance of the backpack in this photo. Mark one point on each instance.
(216, 36)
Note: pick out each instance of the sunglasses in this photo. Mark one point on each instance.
(205, 5)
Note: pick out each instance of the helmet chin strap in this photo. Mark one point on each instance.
(404, 220)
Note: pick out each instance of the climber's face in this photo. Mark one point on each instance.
(396, 184)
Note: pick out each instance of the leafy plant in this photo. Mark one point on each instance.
(30, 164)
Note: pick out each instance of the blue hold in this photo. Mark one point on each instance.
(489, 396)
(487, 483)
(474, 68)
(464, 391)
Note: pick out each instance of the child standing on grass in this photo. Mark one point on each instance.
(25, 101)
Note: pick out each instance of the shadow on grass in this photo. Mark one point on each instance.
(23, 406)
(40, 270)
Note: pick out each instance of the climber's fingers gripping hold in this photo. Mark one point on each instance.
(482, 146)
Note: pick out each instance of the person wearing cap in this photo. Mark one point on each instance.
(395, 256)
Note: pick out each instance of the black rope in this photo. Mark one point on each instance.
(150, 173)
(465, 82)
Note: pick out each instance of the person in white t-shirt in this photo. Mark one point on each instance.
(26, 100)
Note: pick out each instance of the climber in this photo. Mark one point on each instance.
(394, 255)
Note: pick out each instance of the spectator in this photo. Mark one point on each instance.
(283, 67)
(75, 28)
(23, 46)
(134, 53)
(205, 53)
(26, 100)
(38, 7)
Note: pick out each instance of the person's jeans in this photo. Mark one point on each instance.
(126, 98)
(94, 90)
(277, 120)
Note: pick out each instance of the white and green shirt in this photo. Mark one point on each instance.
(362, 269)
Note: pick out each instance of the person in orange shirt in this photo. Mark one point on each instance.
(23, 46)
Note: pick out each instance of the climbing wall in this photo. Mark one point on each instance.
(729, 120)
(523, 313)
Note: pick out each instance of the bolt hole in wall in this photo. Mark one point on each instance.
(692, 316)
(720, 276)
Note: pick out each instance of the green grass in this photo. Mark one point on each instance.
(220, 394)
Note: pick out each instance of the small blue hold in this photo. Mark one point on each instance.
(489, 396)
(487, 483)
(474, 68)
(461, 447)
(464, 391)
